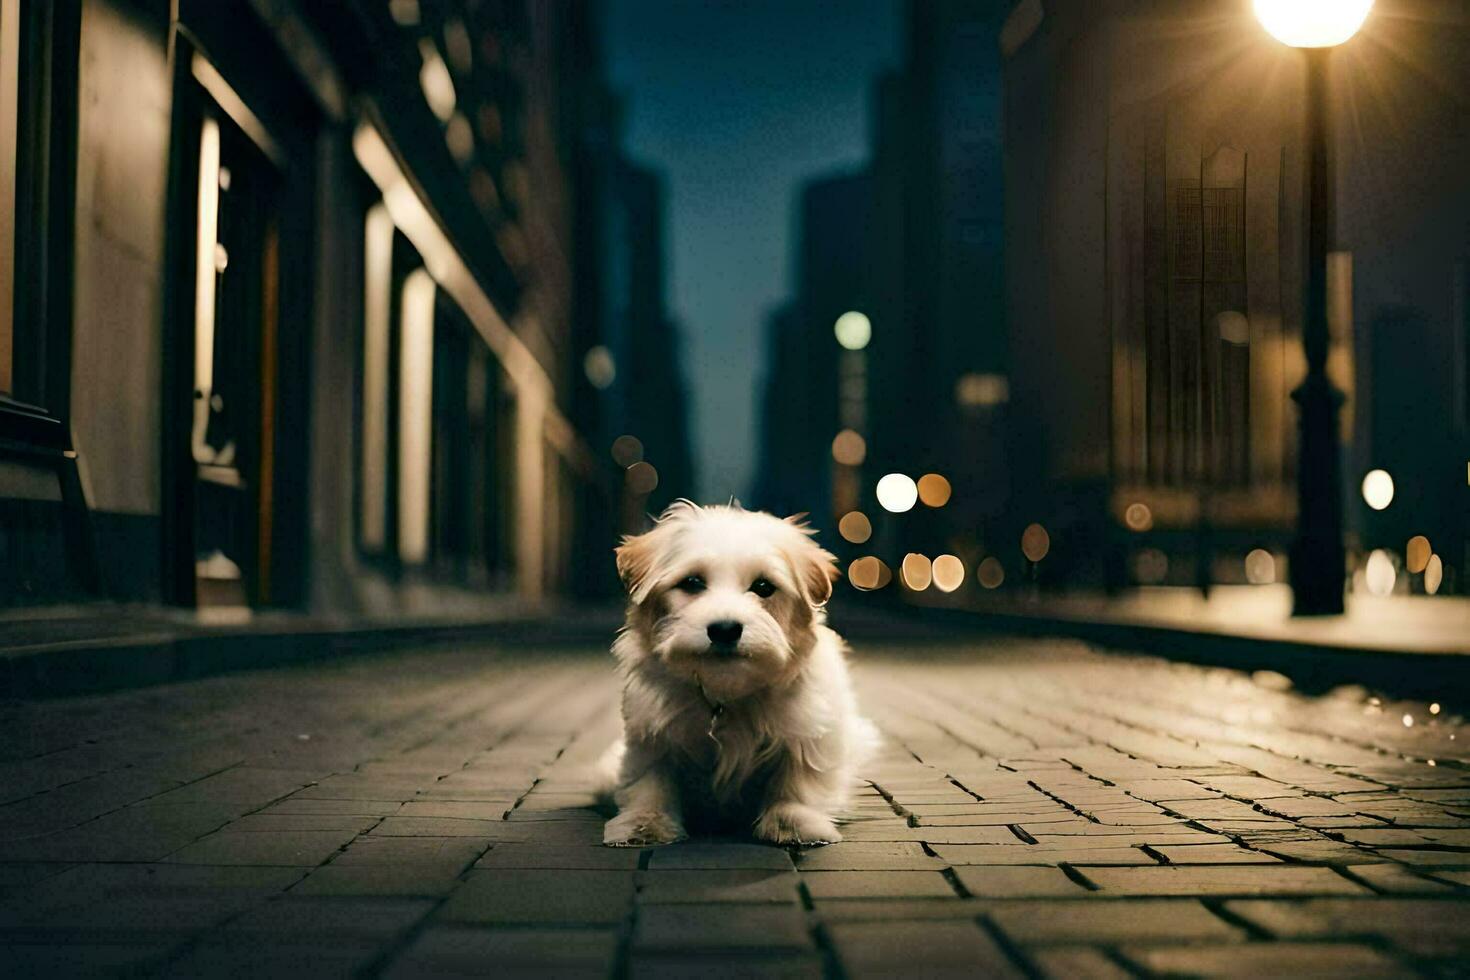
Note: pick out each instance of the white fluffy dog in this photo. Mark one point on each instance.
(737, 707)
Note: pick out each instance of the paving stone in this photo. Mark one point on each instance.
(1270, 959)
(83, 959)
(457, 852)
(925, 949)
(1001, 854)
(876, 884)
(1155, 790)
(1430, 858)
(1426, 926)
(1017, 882)
(1093, 921)
(1322, 852)
(1395, 879)
(724, 966)
(993, 819)
(506, 897)
(1305, 806)
(443, 827)
(868, 856)
(301, 848)
(1214, 854)
(720, 927)
(333, 916)
(1078, 964)
(1232, 880)
(711, 886)
(696, 856)
(310, 806)
(964, 835)
(456, 809)
(568, 858)
(468, 952)
(379, 879)
(276, 823)
(829, 910)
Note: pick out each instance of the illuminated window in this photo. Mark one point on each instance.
(376, 322)
(415, 419)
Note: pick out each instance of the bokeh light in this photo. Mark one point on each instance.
(1416, 554)
(642, 478)
(1035, 542)
(1312, 23)
(1138, 517)
(627, 450)
(1150, 566)
(853, 330)
(1379, 576)
(982, 390)
(868, 573)
(934, 490)
(600, 368)
(855, 527)
(1378, 489)
(897, 493)
(949, 573)
(1433, 574)
(849, 448)
(991, 573)
(916, 571)
(1260, 567)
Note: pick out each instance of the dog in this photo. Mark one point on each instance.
(738, 712)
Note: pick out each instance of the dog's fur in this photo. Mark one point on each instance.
(759, 733)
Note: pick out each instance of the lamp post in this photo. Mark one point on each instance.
(1317, 557)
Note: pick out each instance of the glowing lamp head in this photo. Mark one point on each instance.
(1312, 23)
(1377, 489)
(853, 330)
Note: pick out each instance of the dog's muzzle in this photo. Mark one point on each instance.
(724, 637)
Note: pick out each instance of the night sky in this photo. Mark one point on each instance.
(738, 102)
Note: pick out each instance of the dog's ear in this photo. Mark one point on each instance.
(816, 570)
(636, 558)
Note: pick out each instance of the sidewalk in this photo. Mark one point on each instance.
(66, 650)
(1415, 644)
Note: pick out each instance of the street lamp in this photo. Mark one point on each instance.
(1317, 557)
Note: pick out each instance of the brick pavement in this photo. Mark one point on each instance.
(1038, 810)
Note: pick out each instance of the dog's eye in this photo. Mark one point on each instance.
(691, 584)
(763, 588)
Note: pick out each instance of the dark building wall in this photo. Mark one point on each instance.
(1115, 117)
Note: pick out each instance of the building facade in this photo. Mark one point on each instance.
(287, 314)
(1154, 226)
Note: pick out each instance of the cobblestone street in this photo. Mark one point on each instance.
(1039, 810)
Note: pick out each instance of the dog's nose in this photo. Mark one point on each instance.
(725, 632)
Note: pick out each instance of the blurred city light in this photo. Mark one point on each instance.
(1260, 567)
(868, 573)
(1433, 574)
(1378, 489)
(1138, 517)
(1380, 575)
(460, 139)
(1416, 554)
(949, 573)
(897, 493)
(934, 490)
(849, 448)
(1312, 23)
(600, 368)
(436, 82)
(917, 571)
(855, 527)
(982, 390)
(1233, 328)
(1150, 566)
(642, 478)
(853, 330)
(627, 450)
(1035, 542)
(990, 573)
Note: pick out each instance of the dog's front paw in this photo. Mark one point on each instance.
(796, 823)
(642, 830)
